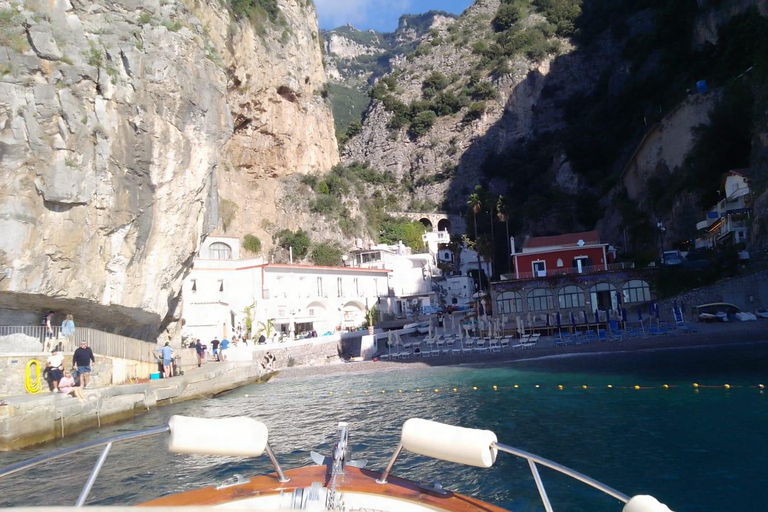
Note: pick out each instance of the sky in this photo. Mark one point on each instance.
(379, 15)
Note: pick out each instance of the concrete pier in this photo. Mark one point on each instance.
(34, 419)
(27, 420)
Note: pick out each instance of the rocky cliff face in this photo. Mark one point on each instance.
(446, 161)
(113, 120)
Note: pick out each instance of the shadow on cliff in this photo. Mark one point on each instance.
(514, 158)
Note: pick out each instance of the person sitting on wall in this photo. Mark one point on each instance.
(67, 386)
(268, 363)
(55, 366)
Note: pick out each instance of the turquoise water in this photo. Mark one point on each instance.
(693, 449)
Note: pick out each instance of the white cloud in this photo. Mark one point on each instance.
(360, 13)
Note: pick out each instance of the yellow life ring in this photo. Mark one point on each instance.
(33, 384)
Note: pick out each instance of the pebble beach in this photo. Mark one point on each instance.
(708, 335)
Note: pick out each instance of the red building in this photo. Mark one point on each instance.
(574, 275)
(574, 253)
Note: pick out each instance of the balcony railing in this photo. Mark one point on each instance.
(103, 343)
(574, 271)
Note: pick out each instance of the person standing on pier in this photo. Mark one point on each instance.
(82, 359)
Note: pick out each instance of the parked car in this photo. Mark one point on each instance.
(671, 259)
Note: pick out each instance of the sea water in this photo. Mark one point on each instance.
(608, 416)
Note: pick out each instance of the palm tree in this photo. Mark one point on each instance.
(502, 211)
(476, 204)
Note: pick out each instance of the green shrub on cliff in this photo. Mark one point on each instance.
(251, 243)
(256, 11)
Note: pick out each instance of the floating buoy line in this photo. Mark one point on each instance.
(514, 387)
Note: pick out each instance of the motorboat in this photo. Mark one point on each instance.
(761, 312)
(336, 482)
(717, 312)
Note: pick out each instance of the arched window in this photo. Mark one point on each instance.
(636, 291)
(220, 251)
(570, 297)
(539, 299)
(509, 302)
(559, 262)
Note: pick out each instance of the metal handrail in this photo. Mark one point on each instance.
(534, 459)
(107, 443)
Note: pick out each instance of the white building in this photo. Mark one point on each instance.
(727, 223)
(409, 290)
(222, 290)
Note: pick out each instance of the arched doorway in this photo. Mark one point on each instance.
(427, 223)
(603, 296)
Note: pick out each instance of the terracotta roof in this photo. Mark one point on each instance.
(570, 239)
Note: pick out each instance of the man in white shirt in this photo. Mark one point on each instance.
(55, 368)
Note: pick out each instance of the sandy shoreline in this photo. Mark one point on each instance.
(709, 335)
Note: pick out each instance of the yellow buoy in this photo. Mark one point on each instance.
(584, 386)
(383, 392)
(246, 395)
(610, 386)
(727, 386)
(761, 386)
(494, 387)
(637, 387)
(347, 392)
(474, 388)
(366, 392)
(454, 390)
(516, 386)
(330, 393)
(665, 386)
(559, 386)
(537, 386)
(399, 390)
(417, 390)
(437, 390)
(695, 385)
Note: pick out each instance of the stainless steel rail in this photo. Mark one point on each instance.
(26, 464)
(535, 459)
(107, 443)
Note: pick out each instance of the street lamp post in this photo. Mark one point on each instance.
(662, 231)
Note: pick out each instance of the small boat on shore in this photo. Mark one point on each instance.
(336, 482)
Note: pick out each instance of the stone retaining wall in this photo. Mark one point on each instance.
(747, 292)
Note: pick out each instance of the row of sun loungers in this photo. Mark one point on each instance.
(454, 346)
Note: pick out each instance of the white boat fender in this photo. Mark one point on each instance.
(645, 503)
(239, 436)
(469, 446)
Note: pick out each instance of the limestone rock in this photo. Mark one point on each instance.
(110, 130)
(118, 121)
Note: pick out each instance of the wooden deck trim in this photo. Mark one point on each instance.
(354, 480)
